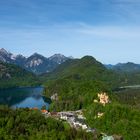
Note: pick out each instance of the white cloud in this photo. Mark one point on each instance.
(112, 32)
(79, 28)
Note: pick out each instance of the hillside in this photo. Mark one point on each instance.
(12, 76)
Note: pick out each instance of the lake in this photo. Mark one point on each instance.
(24, 97)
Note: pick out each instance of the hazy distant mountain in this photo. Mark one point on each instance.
(109, 66)
(125, 67)
(35, 63)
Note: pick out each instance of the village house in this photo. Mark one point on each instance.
(95, 101)
(54, 97)
(81, 117)
(99, 115)
(77, 124)
(44, 111)
(54, 114)
(65, 115)
(84, 127)
(90, 130)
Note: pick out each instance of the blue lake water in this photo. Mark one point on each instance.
(24, 97)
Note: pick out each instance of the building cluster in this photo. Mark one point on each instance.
(76, 120)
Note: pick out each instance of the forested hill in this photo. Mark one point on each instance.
(80, 79)
(13, 76)
(86, 68)
(79, 67)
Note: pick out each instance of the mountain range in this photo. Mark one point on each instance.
(124, 67)
(35, 63)
(40, 64)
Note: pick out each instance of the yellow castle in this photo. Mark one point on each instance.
(103, 98)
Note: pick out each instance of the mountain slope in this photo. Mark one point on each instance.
(12, 76)
(58, 58)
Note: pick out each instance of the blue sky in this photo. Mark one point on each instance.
(109, 30)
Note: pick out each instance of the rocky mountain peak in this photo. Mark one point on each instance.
(36, 63)
(57, 55)
(58, 58)
(2, 50)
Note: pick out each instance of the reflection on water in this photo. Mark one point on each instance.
(23, 97)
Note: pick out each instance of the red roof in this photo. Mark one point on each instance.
(44, 111)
